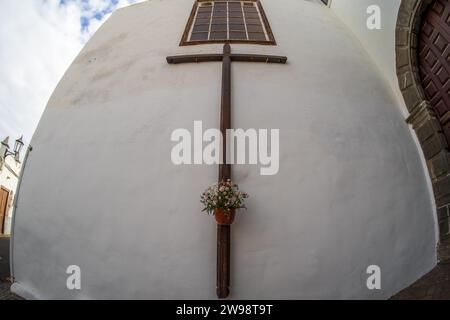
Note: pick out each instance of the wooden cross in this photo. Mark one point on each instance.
(223, 231)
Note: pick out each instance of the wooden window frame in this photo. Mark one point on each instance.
(265, 24)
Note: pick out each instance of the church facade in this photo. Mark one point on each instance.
(354, 115)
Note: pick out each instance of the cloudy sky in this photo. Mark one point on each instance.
(38, 41)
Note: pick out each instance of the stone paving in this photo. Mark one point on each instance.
(435, 285)
(5, 284)
(5, 293)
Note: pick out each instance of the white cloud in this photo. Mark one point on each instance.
(38, 41)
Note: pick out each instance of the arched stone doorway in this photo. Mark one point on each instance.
(420, 23)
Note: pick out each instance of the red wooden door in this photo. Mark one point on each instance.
(434, 60)
(4, 194)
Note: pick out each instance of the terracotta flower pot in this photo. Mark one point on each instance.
(224, 218)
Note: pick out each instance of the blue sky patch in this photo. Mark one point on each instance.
(89, 12)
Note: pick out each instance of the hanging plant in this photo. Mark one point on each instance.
(222, 199)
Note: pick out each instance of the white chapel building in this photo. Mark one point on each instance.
(363, 177)
(10, 169)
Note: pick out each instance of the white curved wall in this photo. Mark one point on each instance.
(380, 44)
(354, 15)
(101, 192)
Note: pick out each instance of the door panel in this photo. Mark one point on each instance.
(434, 60)
(4, 194)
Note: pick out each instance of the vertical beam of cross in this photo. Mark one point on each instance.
(224, 231)
(225, 111)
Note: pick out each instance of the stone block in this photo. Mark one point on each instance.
(434, 145)
(440, 164)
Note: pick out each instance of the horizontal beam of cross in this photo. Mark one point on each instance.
(219, 57)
